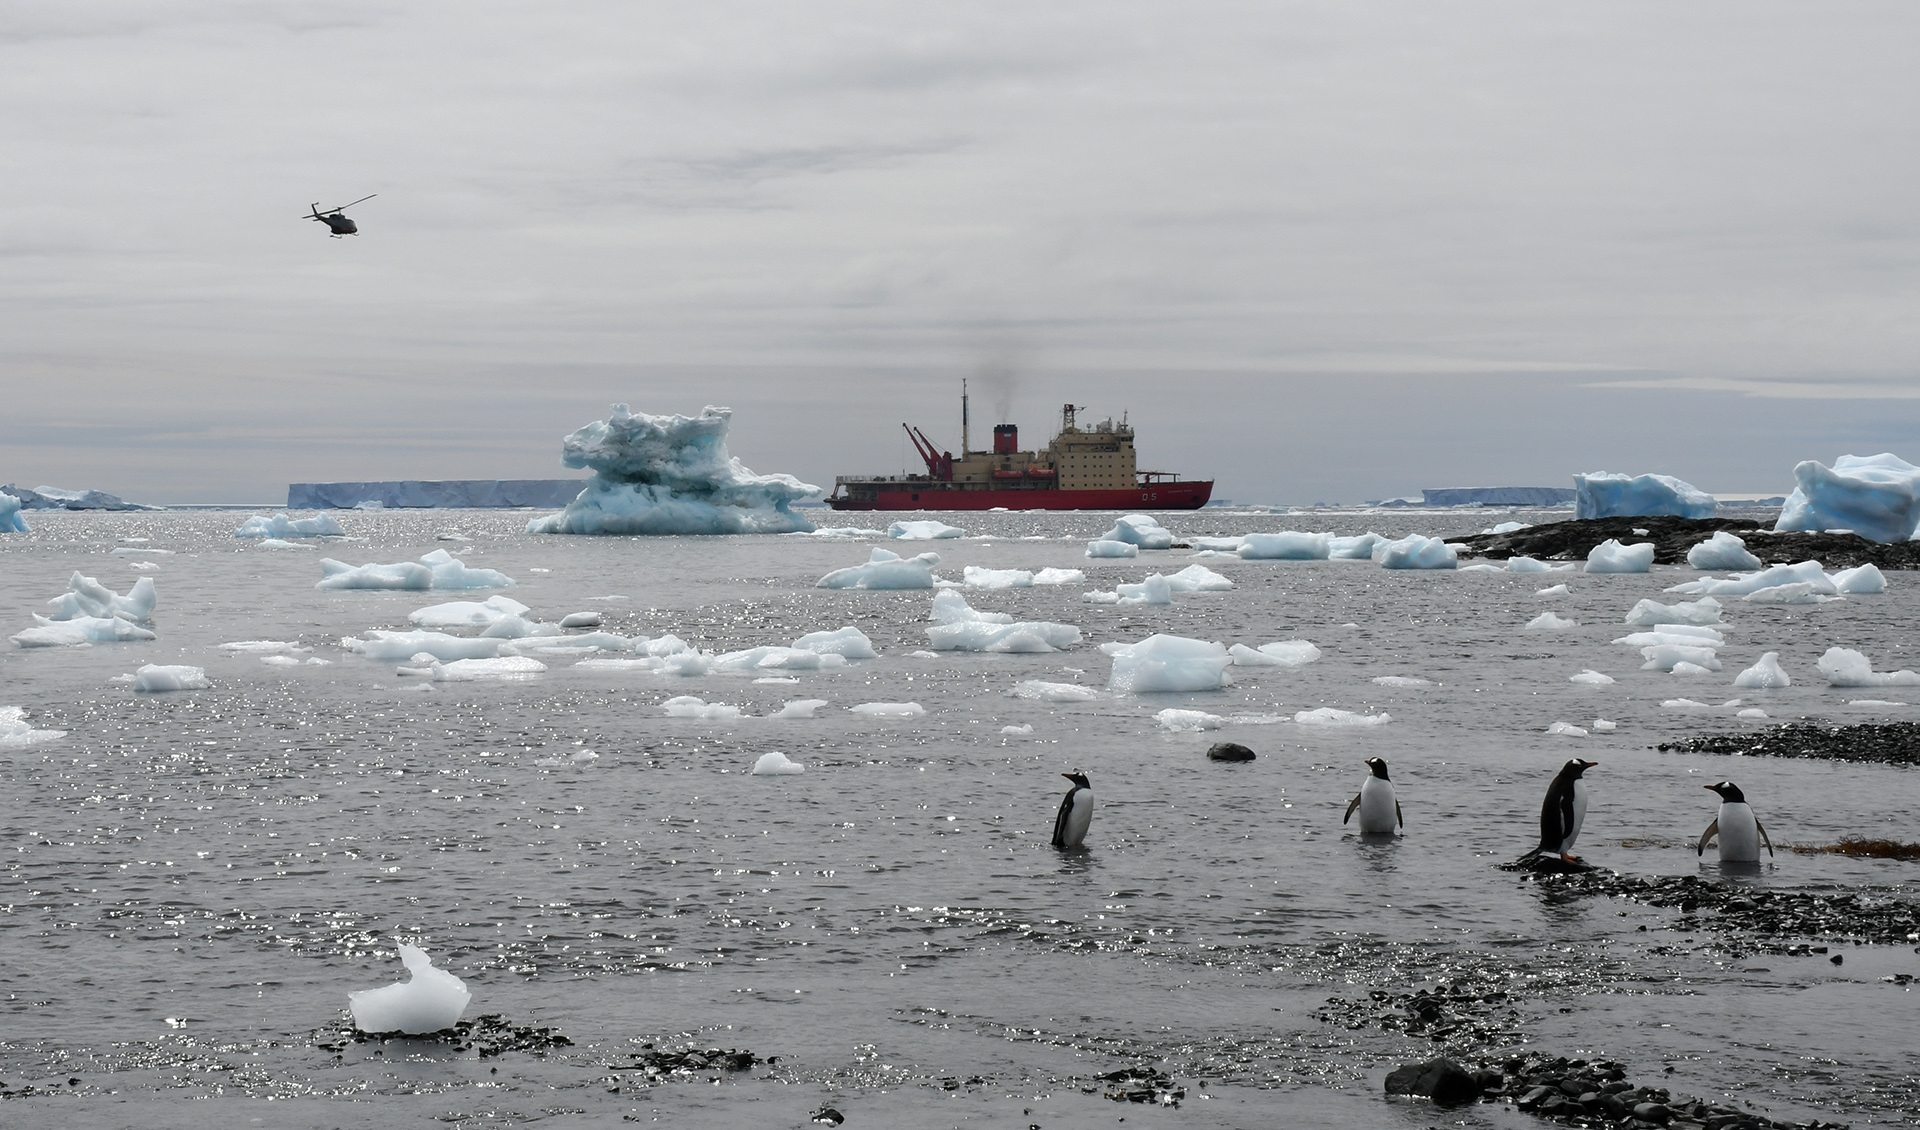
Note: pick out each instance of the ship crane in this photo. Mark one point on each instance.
(939, 464)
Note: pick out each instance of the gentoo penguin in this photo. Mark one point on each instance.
(1562, 813)
(1379, 808)
(1741, 833)
(1076, 812)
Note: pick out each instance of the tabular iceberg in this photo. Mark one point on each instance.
(671, 475)
(1875, 496)
(1603, 494)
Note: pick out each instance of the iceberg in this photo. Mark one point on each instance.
(1651, 613)
(1043, 691)
(1723, 552)
(1808, 572)
(928, 530)
(87, 598)
(15, 731)
(11, 520)
(282, 527)
(1612, 557)
(1602, 494)
(848, 642)
(1288, 545)
(1108, 547)
(1188, 721)
(433, 1000)
(507, 667)
(1357, 548)
(1875, 496)
(1059, 577)
(80, 630)
(1863, 579)
(1664, 657)
(949, 607)
(1415, 552)
(1142, 530)
(1764, 675)
(1198, 578)
(467, 613)
(1168, 663)
(671, 475)
(1845, 667)
(486, 494)
(156, 678)
(54, 498)
(436, 570)
(974, 577)
(776, 765)
(1286, 653)
(884, 569)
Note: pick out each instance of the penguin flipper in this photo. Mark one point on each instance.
(1060, 821)
(1351, 806)
(1399, 815)
(1701, 848)
(1764, 838)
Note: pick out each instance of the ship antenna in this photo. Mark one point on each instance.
(963, 417)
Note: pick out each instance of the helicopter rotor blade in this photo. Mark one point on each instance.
(343, 207)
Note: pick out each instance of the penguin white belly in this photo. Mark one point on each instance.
(1079, 817)
(1579, 816)
(1739, 834)
(1378, 813)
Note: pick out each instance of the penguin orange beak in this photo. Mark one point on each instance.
(1068, 776)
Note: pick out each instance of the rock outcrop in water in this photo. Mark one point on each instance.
(1673, 537)
(1887, 743)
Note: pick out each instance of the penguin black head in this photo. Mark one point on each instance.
(1379, 767)
(1577, 768)
(1079, 779)
(1729, 792)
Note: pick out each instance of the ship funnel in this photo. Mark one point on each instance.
(1006, 439)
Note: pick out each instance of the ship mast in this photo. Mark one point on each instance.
(963, 417)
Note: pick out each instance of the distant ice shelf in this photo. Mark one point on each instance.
(1498, 496)
(436, 494)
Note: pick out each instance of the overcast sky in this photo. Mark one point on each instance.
(1318, 251)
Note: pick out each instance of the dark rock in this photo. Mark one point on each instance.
(1442, 1080)
(1533, 1098)
(1229, 751)
(1890, 743)
(829, 1116)
(1653, 1112)
(1672, 537)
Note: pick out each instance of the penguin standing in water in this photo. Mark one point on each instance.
(1741, 832)
(1076, 812)
(1562, 813)
(1379, 808)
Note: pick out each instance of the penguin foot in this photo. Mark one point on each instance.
(1569, 857)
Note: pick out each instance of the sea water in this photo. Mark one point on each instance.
(194, 881)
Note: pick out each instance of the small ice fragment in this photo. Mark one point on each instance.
(1865, 579)
(1612, 557)
(1602, 726)
(1054, 692)
(1328, 716)
(1722, 552)
(776, 765)
(280, 660)
(1663, 657)
(1548, 622)
(1753, 714)
(1554, 590)
(1651, 613)
(1142, 530)
(1287, 545)
(466, 613)
(1801, 572)
(1845, 667)
(432, 1001)
(1401, 681)
(884, 569)
(15, 731)
(1059, 577)
(277, 543)
(1527, 565)
(799, 708)
(1018, 731)
(923, 655)
(581, 757)
(1566, 729)
(155, 678)
(281, 526)
(1181, 721)
(1415, 552)
(890, 709)
(688, 706)
(499, 667)
(928, 530)
(1688, 669)
(1169, 663)
(1197, 578)
(1764, 675)
(1286, 653)
(580, 620)
(1108, 548)
(260, 647)
(1591, 678)
(1872, 702)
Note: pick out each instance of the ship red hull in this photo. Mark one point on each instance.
(938, 496)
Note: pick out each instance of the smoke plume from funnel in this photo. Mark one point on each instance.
(997, 377)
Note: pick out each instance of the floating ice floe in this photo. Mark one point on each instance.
(578, 757)
(1862, 579)
(1359, 547)
(1042, 691)
(975, 577)
(1800, 592)
(1753, 714)
(502, 667)
(80, 630)
(1198, 578)
(848, 642)
(1154, 590)
(466, 613)
(1665, 656)
(1533, 565)
(1217, 545)
(154, 678)
(1591, 678)
(261, 647)
(1690, 705)
(1875, 496)
(671, 475)
(1807, 572)
(581, 620)
(1602, 494)
(776, 765)
(14, 728)
(87, 597)
(1143, 530)
(1330, 716)
(958, 626)
(282, 527)
(1167, 663)
(889, 709)
(1845, 667)
(1693, 635)
(1481, 567)
(800, 708)
(1764, 675)
(689, 706)
(1287, 545)
(430, 1002)
(1651, 613)
(1685, 669)
(1548, 622)
(436, 570)
(1059, 577)
(842, 532)
(1020, 731)
(1415, 551)
(1602, 726)
(276, 543)
(1566, 729)
(928, 530)
(1107, 547)
(1188, 721)
(884, 569)
(395, 647)
(1723, 552)
(1286, 653)
(1402, 681)
(11, 520)
(768, 658)
(1612, 557)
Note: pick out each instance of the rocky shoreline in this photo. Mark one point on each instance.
(1672, 537)
(1888, 743)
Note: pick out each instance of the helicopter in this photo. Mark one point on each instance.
(337, 224)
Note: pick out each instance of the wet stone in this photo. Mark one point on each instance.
(1442, 1080)
(1144, 1084)
(1229, 751)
